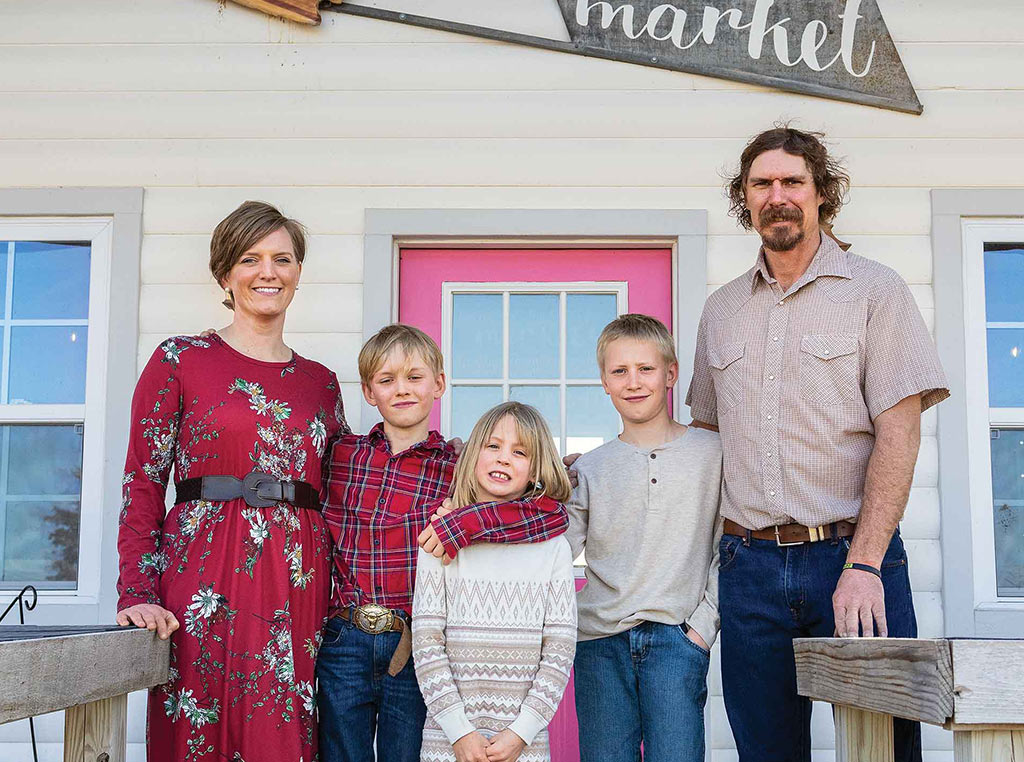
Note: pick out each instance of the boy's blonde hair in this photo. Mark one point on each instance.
(409, 338)
(640, 328)
(547, 474)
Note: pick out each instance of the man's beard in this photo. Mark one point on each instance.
(781, 239)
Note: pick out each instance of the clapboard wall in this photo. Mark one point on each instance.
(206, 104)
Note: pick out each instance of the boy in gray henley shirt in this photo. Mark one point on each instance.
(645, 511)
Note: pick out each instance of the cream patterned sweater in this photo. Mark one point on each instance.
(494, 635)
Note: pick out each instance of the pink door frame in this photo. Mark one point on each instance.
(422, 273)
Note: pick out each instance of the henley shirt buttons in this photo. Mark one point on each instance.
(654, 481)
(653, 456)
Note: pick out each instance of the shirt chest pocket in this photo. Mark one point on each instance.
(829, 368)
(726, 361)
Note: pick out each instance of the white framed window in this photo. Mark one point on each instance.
(994, 385)
(55, 278)
(532, 342)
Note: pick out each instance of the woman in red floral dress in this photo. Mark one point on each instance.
(244, 589)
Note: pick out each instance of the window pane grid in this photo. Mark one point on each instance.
(509, 383)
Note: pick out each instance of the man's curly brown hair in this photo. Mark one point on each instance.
(830, 178)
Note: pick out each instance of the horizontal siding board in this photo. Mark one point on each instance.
(339, 209)
(495, 114)
(197, 64)
(541, 162)
(189, 20)
(185, 258)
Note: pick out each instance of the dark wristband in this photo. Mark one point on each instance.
(864, 568)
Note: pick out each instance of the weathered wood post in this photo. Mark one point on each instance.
(89, 671)
(973, 687)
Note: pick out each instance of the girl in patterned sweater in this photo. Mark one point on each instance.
(494, 631)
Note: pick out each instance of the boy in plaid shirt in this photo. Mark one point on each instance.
(380, 487)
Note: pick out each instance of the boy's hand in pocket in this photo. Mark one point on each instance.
(472, 747)
(506, 746)
(694, 636)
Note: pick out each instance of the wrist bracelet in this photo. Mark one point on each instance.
(864, 568)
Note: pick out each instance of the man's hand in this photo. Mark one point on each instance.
(859, 600)
(506, 746)
(207, 332)
(149, 616)
(694, 636)
(472, 747)
(428, 538)
(568, 460)
(458, 445)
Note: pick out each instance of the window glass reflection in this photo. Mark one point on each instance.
(586, 315)
(477, 336)
(533, 336)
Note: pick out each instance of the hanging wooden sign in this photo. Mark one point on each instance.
(839, 49)
(302, 11)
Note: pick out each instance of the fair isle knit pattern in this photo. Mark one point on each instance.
(494, 635)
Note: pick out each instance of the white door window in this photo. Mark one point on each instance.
(53, 280)
(532, 342)
(995, 324)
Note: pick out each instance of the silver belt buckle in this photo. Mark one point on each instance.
(780, 543)
(373, 619)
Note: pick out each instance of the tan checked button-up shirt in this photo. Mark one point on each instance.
(794, 380)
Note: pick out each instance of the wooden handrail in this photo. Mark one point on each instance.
(87, 671)
(973, 687)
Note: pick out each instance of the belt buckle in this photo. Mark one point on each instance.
(251, 484)
(780, 543)
(373, 619)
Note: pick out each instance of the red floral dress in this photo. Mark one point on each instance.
(249, 586)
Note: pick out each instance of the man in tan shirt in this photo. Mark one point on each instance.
(815, 366)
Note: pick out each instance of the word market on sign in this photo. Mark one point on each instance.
(685, 30)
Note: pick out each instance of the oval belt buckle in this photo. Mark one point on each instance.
(251, 483)
(374, 618)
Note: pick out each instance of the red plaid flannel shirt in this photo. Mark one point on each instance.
(378, 503)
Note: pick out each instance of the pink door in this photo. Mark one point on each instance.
(523, 324)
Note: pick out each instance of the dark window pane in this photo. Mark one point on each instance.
(47, 364)
(51, 280)
(44, 460)
(586, 315)
(533, 336)
(477, 336)
(1008, 507)
(1004, 283)
(40, 543)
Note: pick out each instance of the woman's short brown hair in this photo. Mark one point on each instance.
(243, 229)
(830, 179)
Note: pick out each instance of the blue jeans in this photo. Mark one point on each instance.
(647, 684)
(768, 595)
(357, 699)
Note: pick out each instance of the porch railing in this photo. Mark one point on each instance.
(973, 687)
(87, 671)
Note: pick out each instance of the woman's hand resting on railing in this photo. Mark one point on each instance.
(149, 616)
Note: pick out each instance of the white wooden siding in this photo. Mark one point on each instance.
(206, 104)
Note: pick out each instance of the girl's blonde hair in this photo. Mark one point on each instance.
(547, 474)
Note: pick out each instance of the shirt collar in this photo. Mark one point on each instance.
(830, 259)
(379, 439)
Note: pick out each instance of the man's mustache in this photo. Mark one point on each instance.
(781, 214)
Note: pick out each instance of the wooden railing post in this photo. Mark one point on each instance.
(863, 736)
(97, 731)
(988, 745)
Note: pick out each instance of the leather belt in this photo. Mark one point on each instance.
(792, 534)
(374, 619)
(257, 489)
